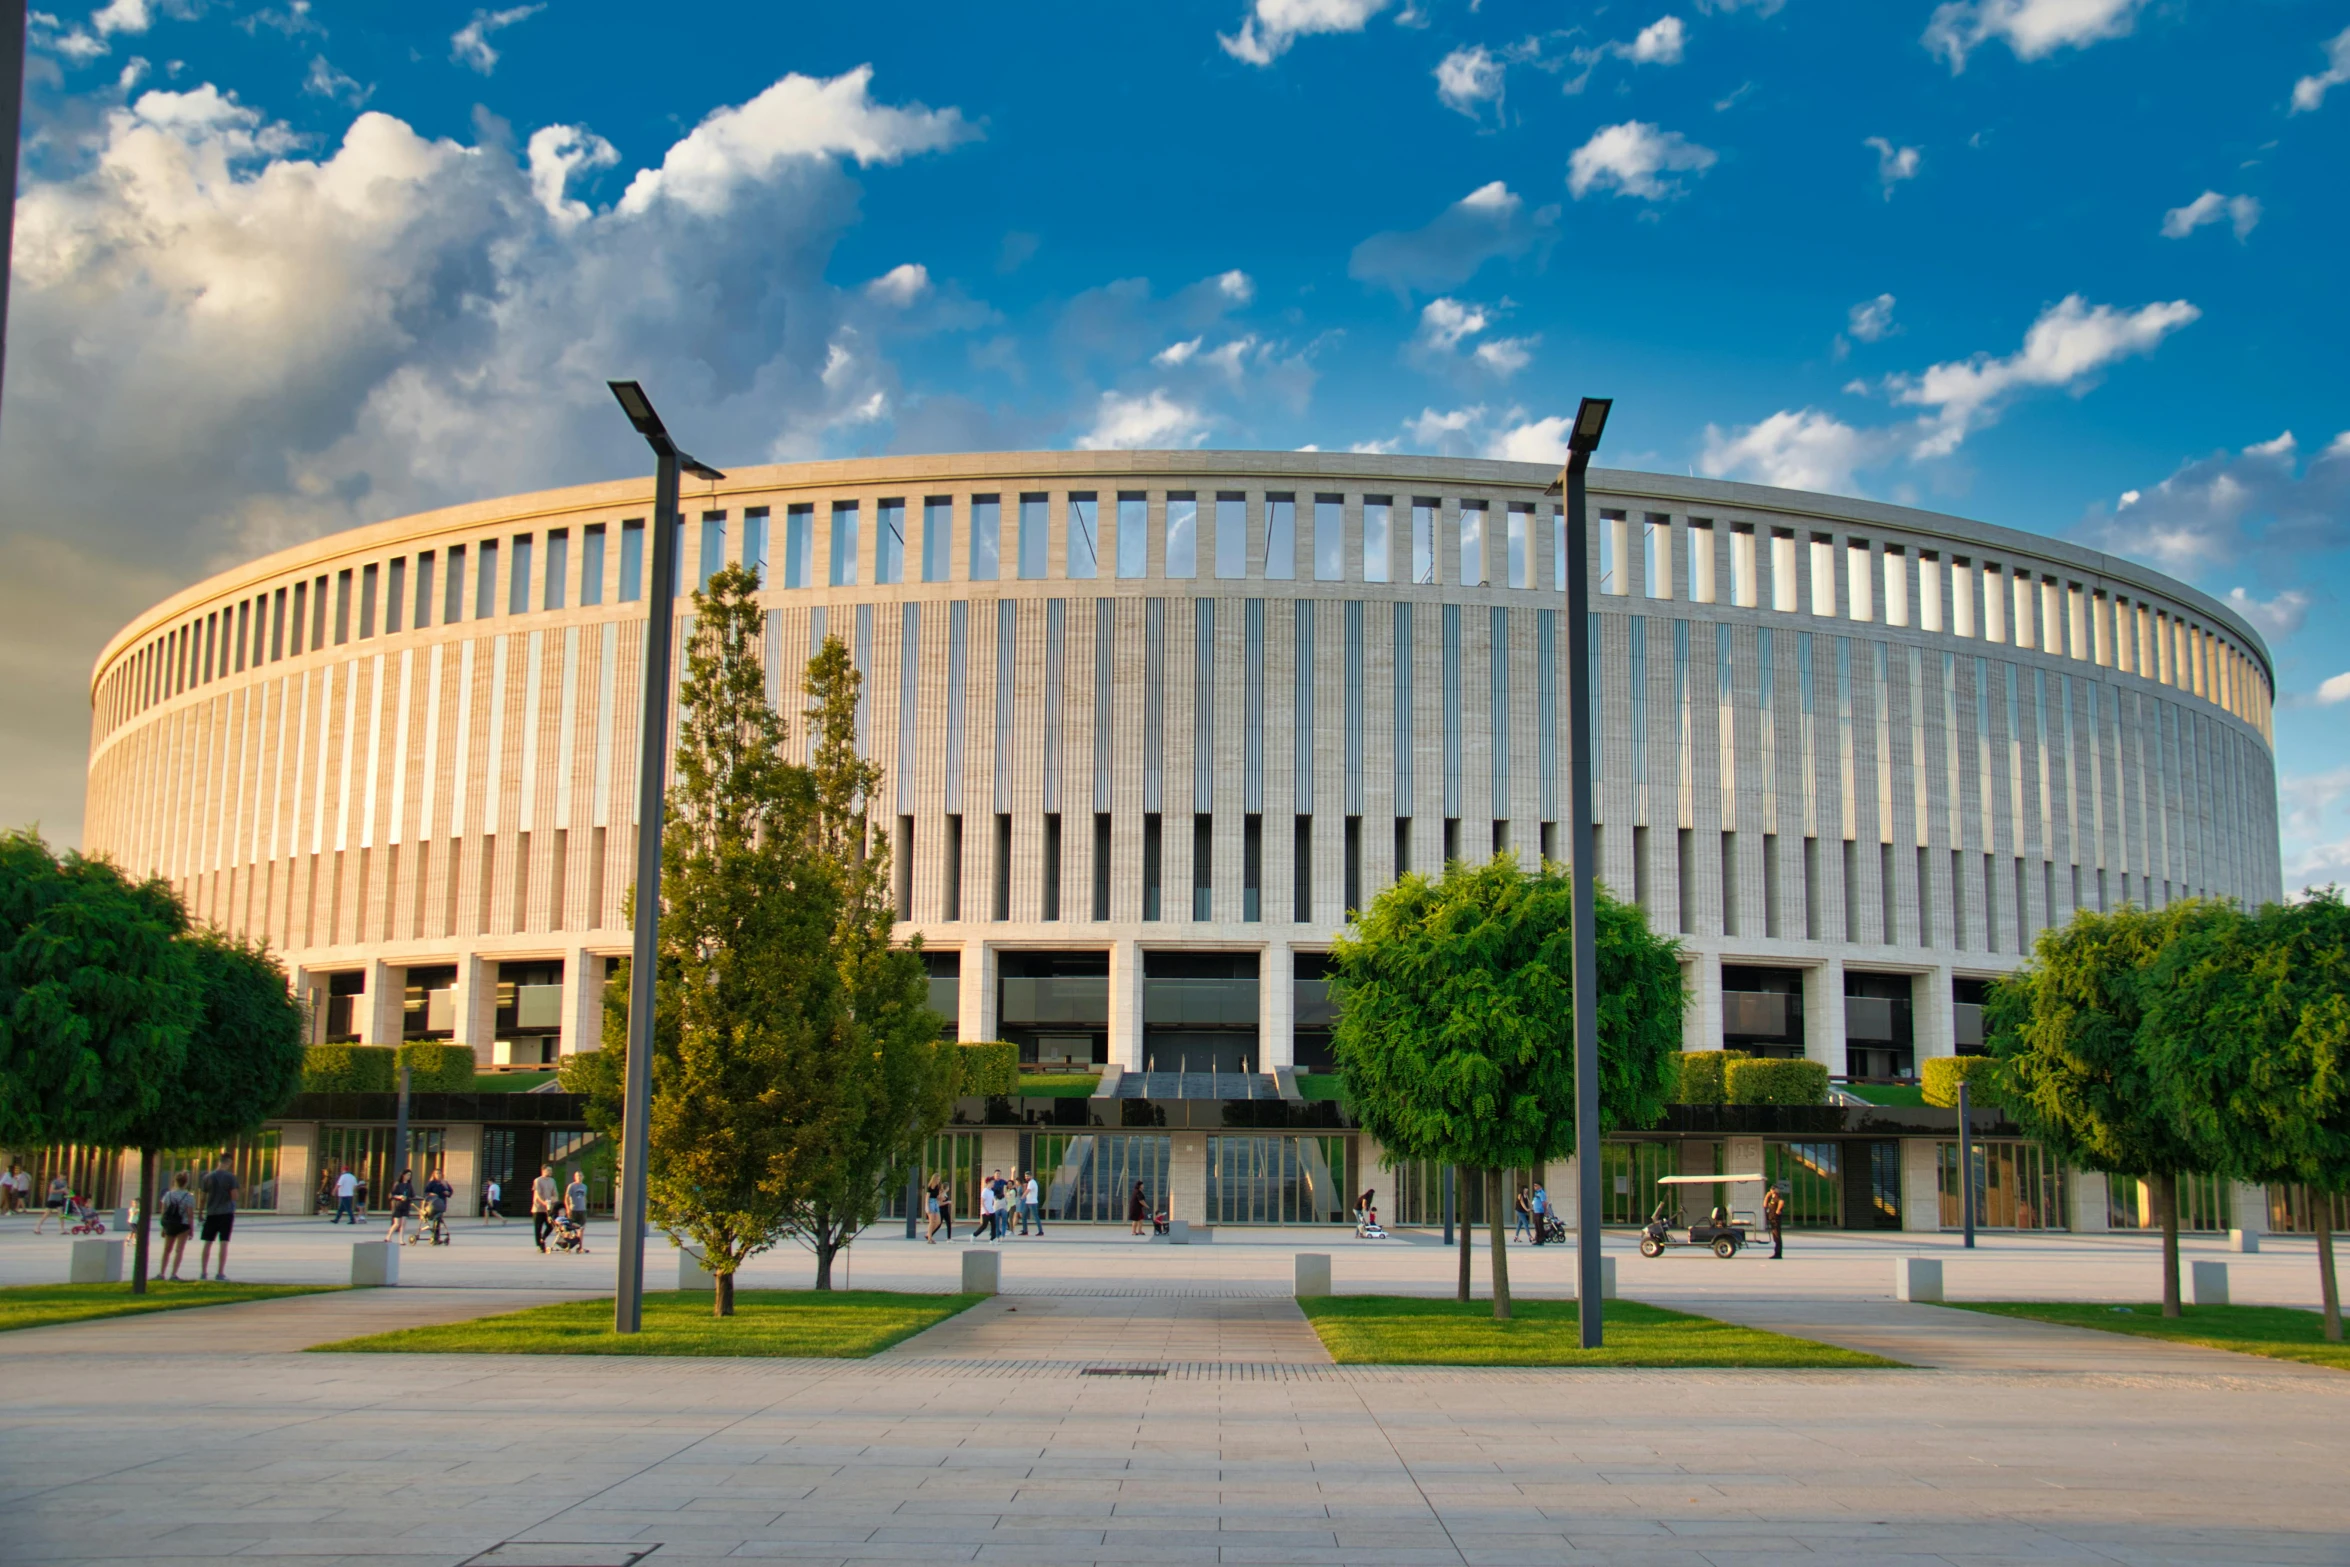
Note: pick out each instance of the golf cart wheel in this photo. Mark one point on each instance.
(1725, 1248)
(1650, 1246)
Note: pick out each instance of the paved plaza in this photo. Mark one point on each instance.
(1130, 1402)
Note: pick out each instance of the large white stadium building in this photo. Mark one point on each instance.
(1151, 723)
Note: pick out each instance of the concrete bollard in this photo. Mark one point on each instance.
(2243, 1240)
(1178, 1232)
(2207, 1284)
(983, 1272)
(374, 1264)
(1917, 1278)
(691, 1275)
(95, 1262)
(1312, 1274)
(1607, 1278)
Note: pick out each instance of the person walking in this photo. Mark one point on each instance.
(930, 1209)
(543, 1196)
(220, 1218)
(988, 1212)
(403, 1197)
(1540, 1203)
(8, 1193)
(176, 1218)
(1524, 1209)
(1774, 1215)
(491, 1196)
(54, 1205)
(1138, 1211)
(346, 1198)
(1006, 1200)
(1030, 1212)
(575, 1201)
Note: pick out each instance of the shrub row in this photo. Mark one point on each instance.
(1943, 1074)
(988, 1067)
(1716, 1077)
(375, 1069)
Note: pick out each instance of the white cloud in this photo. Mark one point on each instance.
(1469, 79)
(1758, 7)
(555, 154)
(470, 45)
(901, 285)
(799, 117)
(1153, 419)
(2259, 509)
(1273, 25)
(1177, 353)
(1236, 286)
(122, 16)
(1871, 321)
(1894, 164)
(2032, 29)
(1659, 43)
(324, 81)
(2280, 616)
(1438, 429)
(1489, 223)
(2309, 93)
(2068, 345)
(1538, 440)
(2334, 690)
(1505, 356)
(2211, 207)
(1632, 158)
(1796, 450)
(1444, 322)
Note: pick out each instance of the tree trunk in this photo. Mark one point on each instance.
(1460, 1214)
(2166, 1203)
(826, 1249)
(2321, 1217)
(722, 1295)
(146, 1221)
(1495, 1181)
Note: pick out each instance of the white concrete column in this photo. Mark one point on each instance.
(583, 1002)
(1746, 1158)
(999, 1150)
(2088, 1199)
(2250, 1208)
(1921, 1184)
(461, 1164)
(297, 1166)
(1823, 1015)
(386, 993)
(1187, 1178)
(1276, 1007)
(1932, 1023)
(1563, 1186)
(1701, 1016)
(477, 1005)
(1126, 1005)
(976, 994)
(306, 992)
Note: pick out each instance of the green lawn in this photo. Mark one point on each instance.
(838, 1325)
(1058, 1085)
(2279, 1332)
(1396, 1330)
(1320, 1085)
(39, 1305)
(1912, 1095)
(510, 1082)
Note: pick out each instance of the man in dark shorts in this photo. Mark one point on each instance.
(220, 1217)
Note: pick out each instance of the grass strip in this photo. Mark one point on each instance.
(802, 1324)
(1398, 1330)
(45, 1305)
(2279, 1332)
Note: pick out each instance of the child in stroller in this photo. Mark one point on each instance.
(567, 1235)
(81, 1217)
(1159, 1222)
(1367, 1217)
(432, 1228)
(1549, 1230)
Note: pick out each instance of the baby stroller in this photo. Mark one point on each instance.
(1550, 1230)
(1367, 1224)
(84, 1217)
(432, 1228)
(1159, 1222)
(568, 1236)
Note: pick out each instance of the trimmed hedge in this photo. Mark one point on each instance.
(987, 1068)
(433, 1068)
(1702, 1076)
(1776, 1082)
(1941, 1076)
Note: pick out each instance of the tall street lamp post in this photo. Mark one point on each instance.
(1582, 441)
(628, 1304)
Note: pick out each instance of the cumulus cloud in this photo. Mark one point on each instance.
(1634, 159)
(1803, 449)
(2261, 508)
(1871, 321)
(1468, 80)
(1178, 353)
(1444, 322)
(1659, 43)
(2334, 690)
(469, 46)
(122, 16)
(2309, 93)
(2033, 29)
(2211, 207)
(2070, 343)
(1894, 164)
(555, 154)
(1151, 419)
(1489, 223)
(1441, 341)
(1479, 430)
(901, 285)
(2279, 616)
(1271, 26)
(1503, 357)
(324, 81)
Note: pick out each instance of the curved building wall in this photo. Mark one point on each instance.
(1844, 749)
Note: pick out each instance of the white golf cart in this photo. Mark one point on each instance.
(1723, 1231)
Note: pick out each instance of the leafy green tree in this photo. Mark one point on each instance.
(243, 1062)
(887, 1083)
(2078, 1062)
(1455, 1031)
(97, 996)
(2249, 1028)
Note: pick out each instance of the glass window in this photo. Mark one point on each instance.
(1133, 534)
(845, 544)
(1329, 538)
(1036, 528)
(424, 565)
(1182, 536)
(1473, 544)
(395, 601)
(591, 564)
(677, 554)
(485, 580)
(558, 567)
(1521, 545)
(986, 538)
(889, 541)
(1611, 553)
(938, 524)
(1281, 537)
(755, 543)
(518, 578)
(1083, 555)
(632, 562)
(1376, 512)
(366, 605)
(452, 608)
(713, 559)
(1423, 542)
(1231, 536)
(1656, 555)
(799, 527)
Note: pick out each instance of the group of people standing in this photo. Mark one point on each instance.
(1003, 1201)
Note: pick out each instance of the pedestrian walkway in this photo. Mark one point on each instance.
(293, 1322)
(1123, 1329)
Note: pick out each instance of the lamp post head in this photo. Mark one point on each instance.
(639, 408)
(1582, 439)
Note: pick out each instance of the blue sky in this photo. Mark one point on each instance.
(2066, 265)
